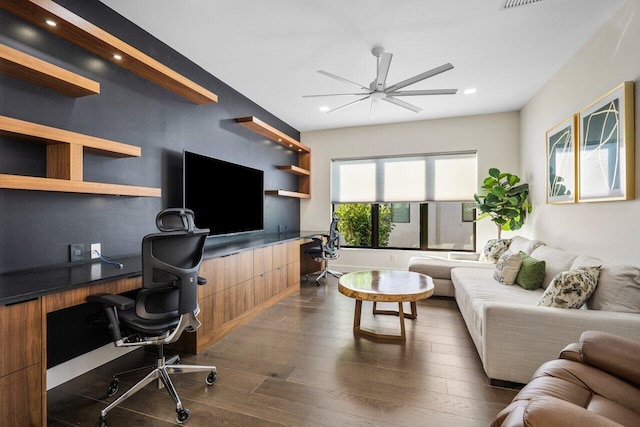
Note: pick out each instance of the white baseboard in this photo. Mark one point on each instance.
(82, 364)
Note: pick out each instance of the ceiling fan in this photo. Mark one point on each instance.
(378, 89)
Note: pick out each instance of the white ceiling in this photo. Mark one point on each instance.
(270, 51)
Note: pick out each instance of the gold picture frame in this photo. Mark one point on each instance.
(606, 149)
(561, 161)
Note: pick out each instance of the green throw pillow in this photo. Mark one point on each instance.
(531, 272)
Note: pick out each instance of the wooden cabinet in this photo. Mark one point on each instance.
(22, 393)
(302, 169)
(241, 286)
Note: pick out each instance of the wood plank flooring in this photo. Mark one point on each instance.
(299, 364)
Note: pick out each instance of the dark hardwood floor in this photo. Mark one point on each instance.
(299, 364)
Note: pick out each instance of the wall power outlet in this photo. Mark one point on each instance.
(96, 247)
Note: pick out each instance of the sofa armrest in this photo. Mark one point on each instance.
(545, 411)
(517, 339)
(611, 353)
(466, 256)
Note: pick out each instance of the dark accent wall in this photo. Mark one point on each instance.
(36, 227)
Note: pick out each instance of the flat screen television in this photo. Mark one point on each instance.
(226, 198)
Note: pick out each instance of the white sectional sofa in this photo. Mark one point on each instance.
(512, 334)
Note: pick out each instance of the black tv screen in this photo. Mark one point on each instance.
(225, 197)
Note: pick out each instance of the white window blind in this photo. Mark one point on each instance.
(420, 178)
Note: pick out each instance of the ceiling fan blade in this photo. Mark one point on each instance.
(335, 94)
(348, 105)
(372, 108)
(402, 104)
(420, 77)
(333, 76)
(383, 69)
(424, 92)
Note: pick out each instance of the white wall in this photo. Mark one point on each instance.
(608, 230)
(494, 136)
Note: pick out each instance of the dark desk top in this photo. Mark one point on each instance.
(26, 285)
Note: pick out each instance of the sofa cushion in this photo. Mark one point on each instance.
(571, 289)
(507, 268)
(618, 289)
(556, 261)
(475, 287)
(531, 272)
(494, 249)
(522, 244)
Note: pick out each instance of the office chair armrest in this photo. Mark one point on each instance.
(112, 300)
(202, 280)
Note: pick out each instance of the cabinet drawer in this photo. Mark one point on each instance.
(21, 332)
(21, 397)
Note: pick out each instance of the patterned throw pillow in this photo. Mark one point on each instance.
(494, 249)
(570, 289)
(507, 268)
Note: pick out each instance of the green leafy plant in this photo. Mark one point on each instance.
(355, 224)
(503, 200)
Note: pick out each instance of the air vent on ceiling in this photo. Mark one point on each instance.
(508, 4)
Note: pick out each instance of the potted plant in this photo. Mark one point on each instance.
(504, 201)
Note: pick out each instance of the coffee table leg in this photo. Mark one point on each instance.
(357, 315)
(401, 316)
(413, 315)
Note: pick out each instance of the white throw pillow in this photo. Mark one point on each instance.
(507, 268)
(571, 289)
(494, 249)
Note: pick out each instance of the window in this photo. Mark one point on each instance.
(411, 202)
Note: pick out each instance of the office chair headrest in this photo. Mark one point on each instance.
(176, 219)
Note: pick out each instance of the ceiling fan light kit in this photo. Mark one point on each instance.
(378, 89)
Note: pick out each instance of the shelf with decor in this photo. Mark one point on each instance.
(64, 160)
(25, 67)
(83, 33)
(302, 169)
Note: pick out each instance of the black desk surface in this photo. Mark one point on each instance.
(25, 285)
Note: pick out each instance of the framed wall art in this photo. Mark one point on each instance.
(606, 147)
(561, 161)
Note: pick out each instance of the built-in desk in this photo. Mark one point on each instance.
(245, 276)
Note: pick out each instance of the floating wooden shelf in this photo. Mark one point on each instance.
(272, 133)
(286, 193)
(303, 170)
(65, 160)
(79, 31)
(33, 70)
(294, 170)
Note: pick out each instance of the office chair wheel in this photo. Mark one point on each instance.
(113, 388)
(182, 415)
(211, 378)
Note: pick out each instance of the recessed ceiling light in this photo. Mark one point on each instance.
(324, 108)
(470, 91)
(51, 23)
(117, 57)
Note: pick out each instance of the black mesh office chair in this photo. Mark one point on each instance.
(166, 306)
(328, 249)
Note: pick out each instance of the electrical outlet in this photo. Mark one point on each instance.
(76, 252)
(392, 257)
(96, 247)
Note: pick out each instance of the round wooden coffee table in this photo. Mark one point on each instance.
(385, 286)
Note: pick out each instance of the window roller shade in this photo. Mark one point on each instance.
(423, 178)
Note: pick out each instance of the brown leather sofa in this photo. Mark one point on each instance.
(595, 382)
